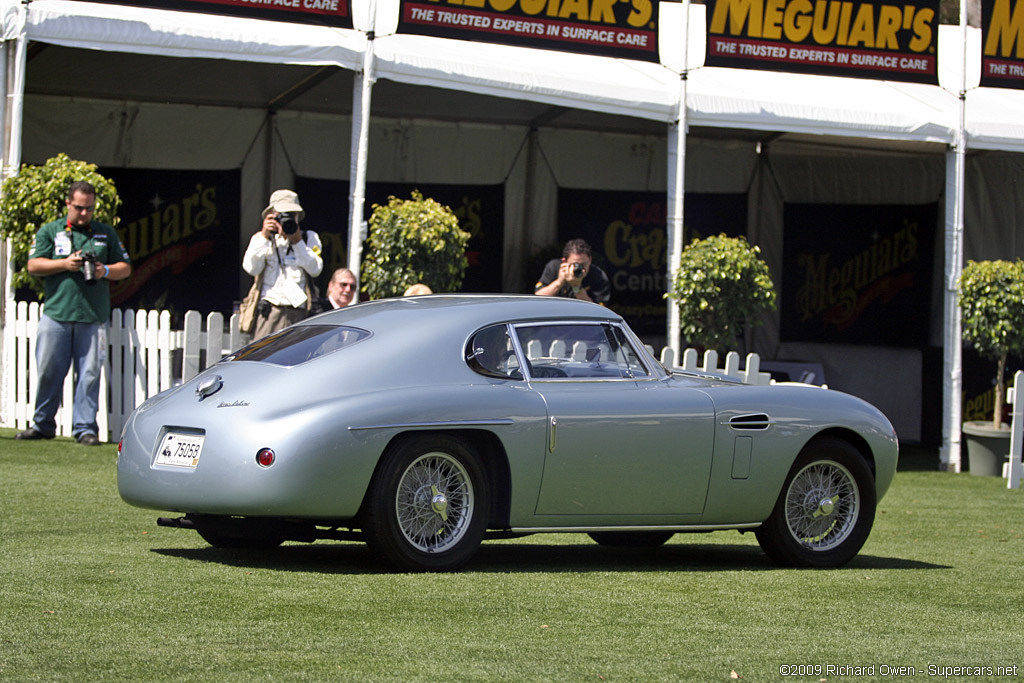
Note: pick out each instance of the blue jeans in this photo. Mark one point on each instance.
(59, 346)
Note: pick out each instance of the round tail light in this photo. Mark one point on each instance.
(265, 457)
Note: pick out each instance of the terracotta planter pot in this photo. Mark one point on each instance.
(987, 448)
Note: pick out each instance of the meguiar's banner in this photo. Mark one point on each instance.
(857, 274)
(479, 208)
(1002, 43)
(880, 40)
(336, 13)
(611, 28)
(181, 231)
(627, 233)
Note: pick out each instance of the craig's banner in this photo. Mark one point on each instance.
(336, 13)
(479, 208)
(893, 42)
(1002, 43)
(857, 274)
(627, 233)
(181, 231)
(626, 29)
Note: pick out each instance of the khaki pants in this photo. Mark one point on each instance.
(278, 318)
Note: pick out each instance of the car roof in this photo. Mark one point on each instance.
(462, 312)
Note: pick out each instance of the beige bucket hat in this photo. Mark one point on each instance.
(285, 201)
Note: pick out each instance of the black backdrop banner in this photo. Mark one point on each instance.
(181, 231)
(627, 29)
(857, 274)
(336, 13)
(479, 208)
(1002, 43)
(627, 232)
(866, 39)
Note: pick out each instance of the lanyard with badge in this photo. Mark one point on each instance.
(64, 242)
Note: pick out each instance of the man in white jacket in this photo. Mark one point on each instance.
(288, 258)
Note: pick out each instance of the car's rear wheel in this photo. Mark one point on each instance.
(631, 539)
(427, 504)
(826, 509)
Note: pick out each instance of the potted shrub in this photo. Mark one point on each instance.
(413, 241)
(721, 288)
(992, 321)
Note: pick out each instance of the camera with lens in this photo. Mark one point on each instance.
(289, 224)
(577, 270)
(89, 264)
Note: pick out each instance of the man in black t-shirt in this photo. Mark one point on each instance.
(574, 276)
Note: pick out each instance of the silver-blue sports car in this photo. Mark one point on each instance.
(424, 425)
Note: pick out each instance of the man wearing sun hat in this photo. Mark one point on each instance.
(286, 258)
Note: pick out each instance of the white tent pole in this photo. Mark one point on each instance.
(676, 201)
(14, 91)
(362, 91)
(952, 348)
(6, 315)
(677, 191)
(15, 103)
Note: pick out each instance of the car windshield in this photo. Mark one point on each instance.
(295, 345)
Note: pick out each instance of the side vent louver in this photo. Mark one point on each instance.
(751, 422)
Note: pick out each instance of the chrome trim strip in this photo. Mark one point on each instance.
(439, 423)
(656, 527)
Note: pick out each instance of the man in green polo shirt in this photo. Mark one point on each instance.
(76, 257)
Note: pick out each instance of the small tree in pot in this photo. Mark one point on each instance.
(721, 287)
(413, 241)
(992, 316)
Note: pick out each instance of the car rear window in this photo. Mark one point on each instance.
(295, 345)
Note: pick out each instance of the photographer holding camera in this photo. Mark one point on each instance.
(574, 276)
(286, 259)
(76, 257)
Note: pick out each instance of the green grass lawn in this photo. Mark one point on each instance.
(92, 590)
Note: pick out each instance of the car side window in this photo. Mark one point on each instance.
(489, 352)
(627, 354)
(579, 351)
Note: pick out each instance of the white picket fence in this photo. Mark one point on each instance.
(750, 374)
(142, 360)
(144, 356)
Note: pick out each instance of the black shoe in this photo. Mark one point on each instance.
(89, 439)
(31, 434)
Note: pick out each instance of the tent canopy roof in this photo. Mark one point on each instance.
(310, 68)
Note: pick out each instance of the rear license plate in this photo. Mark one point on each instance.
(180, 450)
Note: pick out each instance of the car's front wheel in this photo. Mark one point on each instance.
(826, 509)
(427, 504)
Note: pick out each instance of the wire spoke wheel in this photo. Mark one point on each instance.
(822, 505)
(826, 508)
(434, 502)
(428, 503)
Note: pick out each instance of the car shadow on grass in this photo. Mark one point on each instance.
(355, 558)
